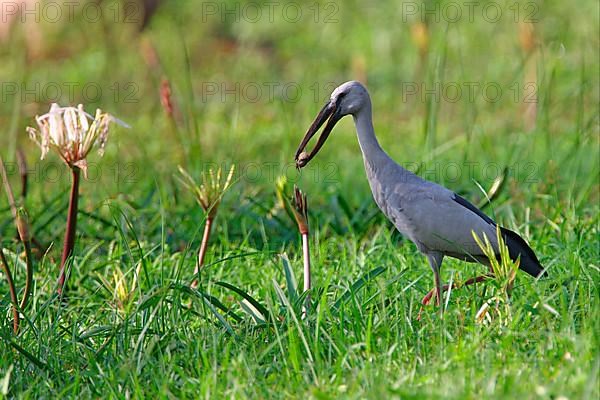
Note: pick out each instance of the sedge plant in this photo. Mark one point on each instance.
(504, 272)
(208, 193)
(122, 288)
(72, 133)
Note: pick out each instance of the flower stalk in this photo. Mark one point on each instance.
(208, 195)
(203, 246)
(306, 256)
(70, 232)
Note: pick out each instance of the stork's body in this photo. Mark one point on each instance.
(437, 220)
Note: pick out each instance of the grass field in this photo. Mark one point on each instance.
(502, 92)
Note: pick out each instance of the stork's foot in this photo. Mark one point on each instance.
(427, 298)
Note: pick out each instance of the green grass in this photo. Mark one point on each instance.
(362, 339)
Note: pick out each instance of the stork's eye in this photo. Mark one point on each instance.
(339, 98)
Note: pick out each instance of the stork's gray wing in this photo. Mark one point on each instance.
(437, 219)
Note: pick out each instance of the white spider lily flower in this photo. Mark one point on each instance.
(72, 133)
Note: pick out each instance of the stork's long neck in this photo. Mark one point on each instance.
(378, 164)
(372, 152)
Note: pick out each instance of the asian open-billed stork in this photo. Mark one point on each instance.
(438, 221)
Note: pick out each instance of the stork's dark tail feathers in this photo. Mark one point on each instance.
(517, 246)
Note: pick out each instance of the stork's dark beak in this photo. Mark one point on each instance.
(330, 111)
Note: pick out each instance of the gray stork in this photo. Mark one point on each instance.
(438, 221)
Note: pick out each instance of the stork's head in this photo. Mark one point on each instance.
(347, 99)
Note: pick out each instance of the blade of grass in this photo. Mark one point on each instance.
(262, 309)
(356, 286)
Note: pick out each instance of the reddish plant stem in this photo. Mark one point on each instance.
(12, 290)
(29, 274)
(71, 227)
(24, 236)
(202, 251)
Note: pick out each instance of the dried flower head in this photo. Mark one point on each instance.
(301, 210)
(72, 133)
(210, 190)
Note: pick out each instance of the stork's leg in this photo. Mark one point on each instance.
(435, 261)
